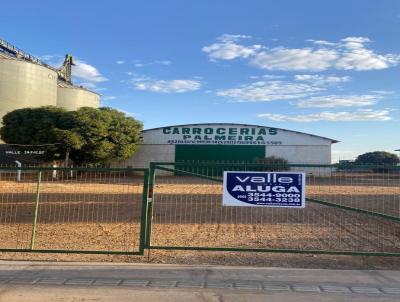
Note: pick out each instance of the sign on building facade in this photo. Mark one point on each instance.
(221, 135)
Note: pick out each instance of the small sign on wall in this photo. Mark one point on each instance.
(264, 189)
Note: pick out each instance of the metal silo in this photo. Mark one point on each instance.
(25, 84)
(72, 97)
(26, 81)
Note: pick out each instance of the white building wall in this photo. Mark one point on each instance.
(282, 137)
(310, 154)
(296, 147)
(148, 153)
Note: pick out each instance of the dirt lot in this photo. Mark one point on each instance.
(94, 215)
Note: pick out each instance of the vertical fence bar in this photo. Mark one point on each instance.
(150, 203)
(143, 217)
(35, 217)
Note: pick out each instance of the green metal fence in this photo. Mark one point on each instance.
(178, 206)
(74, 210)
(348, 211)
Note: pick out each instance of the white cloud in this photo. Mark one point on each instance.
(86, 72)
(264, 91)
(348, 54)
(356, 56)
(139, 77)
(322, 42)
(232, 38)
(321, 79)
(270, 89)
(273, 77)
(295, 59)
(332, 101)
(138, 63)
(163, 86)
(268, 77)
(120, 62)
(382, 91)
(344, 116)
(164, 62)
(227, 49)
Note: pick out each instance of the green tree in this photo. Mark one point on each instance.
(378, 158)
(88, 135)
(44, 125)
(108, 134)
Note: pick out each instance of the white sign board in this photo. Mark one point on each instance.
(264, 189)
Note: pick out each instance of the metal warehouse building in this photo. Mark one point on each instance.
(229, 142)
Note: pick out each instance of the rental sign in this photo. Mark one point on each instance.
(265, 189)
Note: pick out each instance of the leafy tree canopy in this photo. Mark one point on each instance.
(378, 158)
(88, 135)
(43, 125)
(108, 134)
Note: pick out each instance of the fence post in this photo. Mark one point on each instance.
(150, 196)
(144, 213)
(19, 164)
(35, 217)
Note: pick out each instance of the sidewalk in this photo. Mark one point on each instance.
(46, 281)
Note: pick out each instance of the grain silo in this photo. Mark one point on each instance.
(25, 84)
(72, 97)
(25, 81)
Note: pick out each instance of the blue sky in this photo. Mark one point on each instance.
(327, 68)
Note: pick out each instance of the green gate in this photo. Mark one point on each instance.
(348, 212)
(218, 153)
(231, 154)
(73, 210)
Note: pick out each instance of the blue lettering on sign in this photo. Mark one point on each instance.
(273, 189)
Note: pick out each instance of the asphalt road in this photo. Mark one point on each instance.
(67, 282)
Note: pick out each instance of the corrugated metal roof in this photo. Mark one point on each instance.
(246, 125)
